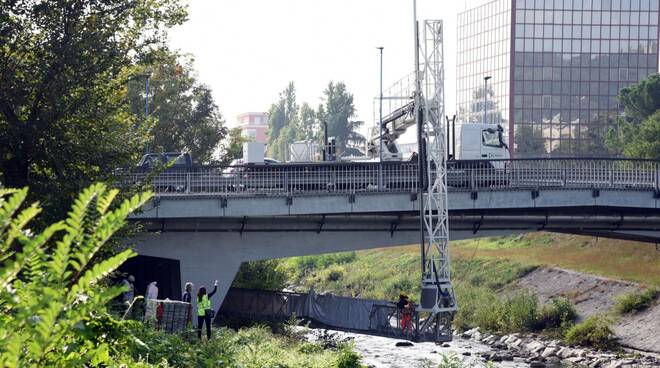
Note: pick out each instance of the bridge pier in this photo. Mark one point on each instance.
(208, 256)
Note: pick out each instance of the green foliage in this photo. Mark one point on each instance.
(233, 146)
(281, 114)
(289, 122)
(348, 358)
(52, 305)
(559, 314)
(182, 112)
(253, 347)
(593, 332)
(266, 275)
(637, 134)
(641, 100)
(645, 140)
(64, 117)
(493, 274)
(519, 312)
(451, 361)
(309, 263)
(338, 110)
(636, 301)
(529, 141)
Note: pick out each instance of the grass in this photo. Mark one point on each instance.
(253, 347)
(481, 286)
(483, 272)
(636, 301)
(624, 260)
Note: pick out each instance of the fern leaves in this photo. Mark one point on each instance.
(49, 285)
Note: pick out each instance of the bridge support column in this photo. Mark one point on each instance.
(207, 256)
(202, 260)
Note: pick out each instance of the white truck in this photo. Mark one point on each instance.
(478, 141)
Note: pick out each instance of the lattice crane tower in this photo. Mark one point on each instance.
(437, 297)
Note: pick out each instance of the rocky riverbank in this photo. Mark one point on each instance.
(596, 295)
(551, 353)
(476, 349)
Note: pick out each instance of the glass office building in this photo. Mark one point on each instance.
(556, 67)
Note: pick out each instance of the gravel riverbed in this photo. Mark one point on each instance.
(474, 349)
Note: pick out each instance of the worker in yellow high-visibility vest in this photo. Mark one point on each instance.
(205, 311)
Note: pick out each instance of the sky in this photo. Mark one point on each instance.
(247, 51)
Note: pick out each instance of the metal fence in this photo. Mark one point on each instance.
(366, 316)
(350, 178)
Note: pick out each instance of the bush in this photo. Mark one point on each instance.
(593, 332)
(264, 275)
(348, 358)
(559, 314)
(636, 301)
(484, 308)
(519, 312)
(53, 307)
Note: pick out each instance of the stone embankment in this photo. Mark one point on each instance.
(551, 353)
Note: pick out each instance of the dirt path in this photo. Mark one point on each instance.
(596, 295)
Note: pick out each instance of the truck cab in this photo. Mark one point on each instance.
(481, 142)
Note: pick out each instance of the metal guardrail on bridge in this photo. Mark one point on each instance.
(351, 178)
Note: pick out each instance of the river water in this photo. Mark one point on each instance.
(382, 352)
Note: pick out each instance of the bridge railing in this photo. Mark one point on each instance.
(350, 178)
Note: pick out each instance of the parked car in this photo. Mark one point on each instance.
(237, 166)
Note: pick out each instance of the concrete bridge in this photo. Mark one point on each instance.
(211, 220)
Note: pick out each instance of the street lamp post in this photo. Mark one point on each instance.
(486, 78)
(380, 124)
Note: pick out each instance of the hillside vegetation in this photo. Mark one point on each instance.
(484, 272)
(618, 259)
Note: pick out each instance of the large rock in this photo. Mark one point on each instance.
(534, 346)
(549, 351)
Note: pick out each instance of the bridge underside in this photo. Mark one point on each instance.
(209, 249)
(211, 236)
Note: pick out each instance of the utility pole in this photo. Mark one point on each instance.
(146, 105)
(486, 78)
(380, 123)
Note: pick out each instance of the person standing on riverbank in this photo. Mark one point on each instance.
(187, 298)
(205, 312)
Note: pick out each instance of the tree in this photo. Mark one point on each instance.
(337, 110)
(529, 141)
(64, 65)
(282, 113)
(641, 100)
(308, 123)
(636, 133)
(265, 275)
(233, 148)
(51, 300)
(644, 138)
(185, 116)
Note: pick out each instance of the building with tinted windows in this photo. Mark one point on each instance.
(556, 67)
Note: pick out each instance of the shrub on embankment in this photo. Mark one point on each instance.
(593, 332)
(636, 301)
(518, 312)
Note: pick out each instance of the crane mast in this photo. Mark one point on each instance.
(437, 293)
(418, 100)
